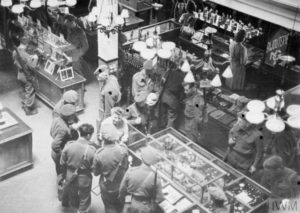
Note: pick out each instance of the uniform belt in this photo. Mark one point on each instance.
(79, 171)
(141, 198)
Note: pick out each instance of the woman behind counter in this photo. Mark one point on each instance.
(188, 20)
(238, 59)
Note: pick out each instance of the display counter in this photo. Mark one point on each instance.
(50, 89)
(187, 170)
(15, 145)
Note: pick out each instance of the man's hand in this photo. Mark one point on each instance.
(252, 169)
(138, 120)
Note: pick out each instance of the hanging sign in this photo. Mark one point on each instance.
(277, 45)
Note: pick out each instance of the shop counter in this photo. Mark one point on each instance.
(15, 145)
(187, 170)
(50, 88)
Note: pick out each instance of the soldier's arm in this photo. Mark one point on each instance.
(159, 193)
(123, 188)
(58, 140)
(259, 151)
(126, 132)
(96, 166)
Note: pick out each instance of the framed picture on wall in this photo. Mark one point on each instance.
(66, 73)
(49, 67)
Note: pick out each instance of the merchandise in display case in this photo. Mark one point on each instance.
(191, 170)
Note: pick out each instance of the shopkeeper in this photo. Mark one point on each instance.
(77, 37)
(245, 150)
(188, 20)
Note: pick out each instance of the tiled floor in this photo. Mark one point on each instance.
(34, 190)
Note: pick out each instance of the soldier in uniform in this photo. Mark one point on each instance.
(141, 81)
(117, 123)
(194, 111)
(69, 97)
(141, 185)
(109, 91)
(245, 150)
(280, 180)
(78, 155)
(111, 163)
(61, 133)
(137, 113)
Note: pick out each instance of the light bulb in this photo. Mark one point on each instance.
(17, 8)
(35, 3)
(216, 82)
(71, 3)
(53, 3)
(6, 3)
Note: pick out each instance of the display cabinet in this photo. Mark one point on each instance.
(189, 170)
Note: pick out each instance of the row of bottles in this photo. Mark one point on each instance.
(227, 22)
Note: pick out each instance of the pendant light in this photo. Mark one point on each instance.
(71, 3)
(17, 8)
(185, 66)
(53, 3)
(189, 78)
(35, 4)
(6, 3)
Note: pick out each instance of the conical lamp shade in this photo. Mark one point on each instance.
(189, 78)
(185, 66)
(227, 73)
(216, 82)
(6, 3)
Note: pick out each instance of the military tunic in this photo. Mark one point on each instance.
(141, 83)
(111, 162)
(61, 134)
(139, 182)
(80, 190)
(247, 147)
(193, 116)
(133, 112)
(110, 95)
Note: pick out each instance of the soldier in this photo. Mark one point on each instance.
(245, 150)
(194, 110)
(137, 113)
(117, 123)
(69, 97)
(171, 95)
(142, 185)
(61, 133)
(111, 163)
(141, 81)
(78, 156)
(280, 180)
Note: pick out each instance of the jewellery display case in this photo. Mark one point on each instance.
(190, 170)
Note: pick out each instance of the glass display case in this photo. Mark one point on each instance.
(190, 170)
(148, 31)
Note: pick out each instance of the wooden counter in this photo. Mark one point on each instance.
(15, 146)
(50, 88)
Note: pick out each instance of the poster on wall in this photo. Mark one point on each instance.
(277, 45)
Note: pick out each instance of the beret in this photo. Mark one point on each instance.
(149, 155)
(273, 162)
(67, 110)
(70, 96)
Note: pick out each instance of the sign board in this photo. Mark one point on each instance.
(277, 45)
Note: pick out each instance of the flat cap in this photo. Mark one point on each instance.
(273, 162)
(70, 96)
(67, 110)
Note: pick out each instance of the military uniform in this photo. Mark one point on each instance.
(61, 134)
(193, 116)
(170, 98)
(247, 147)
(139, 182)
(69, 97)
(133, 112)
(72, 155)
(110, 95)
(121, 132)
(141, 83)
(111, 163)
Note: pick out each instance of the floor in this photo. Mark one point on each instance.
(34, 190)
